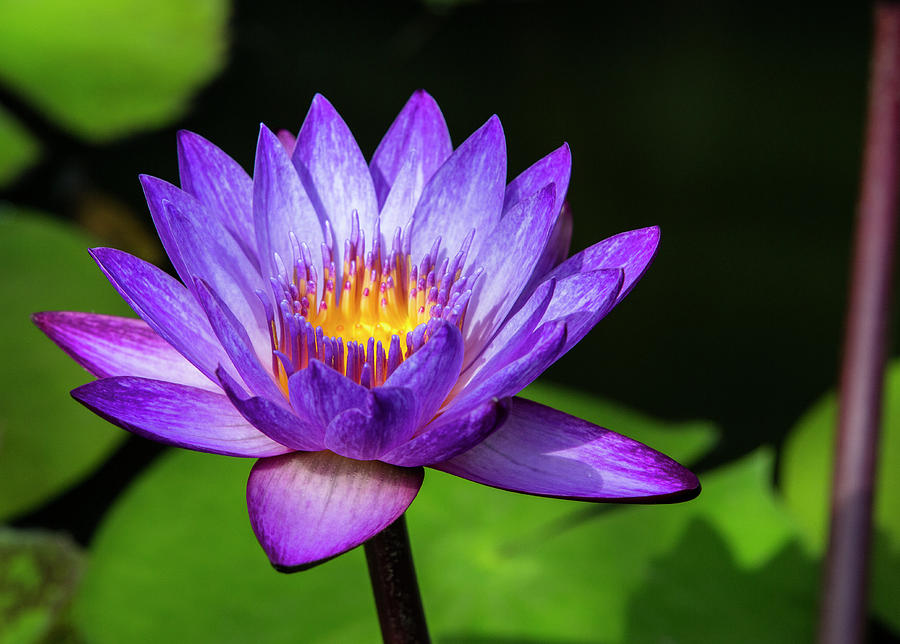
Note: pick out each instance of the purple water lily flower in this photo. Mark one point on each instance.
(347, 324)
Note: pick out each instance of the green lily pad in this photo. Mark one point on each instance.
(47, 440)
(39, 572)
(104, 68)
(17, 149)
(176, 560)
(806, 475)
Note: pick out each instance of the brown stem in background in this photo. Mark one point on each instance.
(395, 587)
(843, 610)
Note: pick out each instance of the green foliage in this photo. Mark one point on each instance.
(104, 68)
(491, 563)
(806, 471)
(47, 440)
(38, 574)
(17, 149)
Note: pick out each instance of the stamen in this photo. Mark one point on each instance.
(379, 310)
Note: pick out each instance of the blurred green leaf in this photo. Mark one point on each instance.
(47, 440)
(685, 442)
(806, 475)
(104, 68)
(176, 559)
(39, 572)
(17, 149)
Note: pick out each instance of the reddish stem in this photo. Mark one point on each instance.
(843, 610)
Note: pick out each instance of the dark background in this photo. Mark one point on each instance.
(736, 127)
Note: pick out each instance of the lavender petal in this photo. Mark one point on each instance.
(176, 415)
(308, 507)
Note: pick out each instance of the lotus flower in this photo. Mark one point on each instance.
(347, 324)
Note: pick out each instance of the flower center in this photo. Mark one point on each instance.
(365, 320)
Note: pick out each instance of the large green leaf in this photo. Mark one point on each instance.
(176, 560)
(47, 440)
(806, 475)
(107, 67)
(17, 149)
(39, 572)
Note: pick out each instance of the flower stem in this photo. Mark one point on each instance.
(395, 587)
(843, 609)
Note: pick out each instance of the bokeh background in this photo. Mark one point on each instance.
(736, 127)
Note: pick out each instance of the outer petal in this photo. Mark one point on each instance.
(432, 370)
(419, 127)
(334, 171)
(554, 253)
(517, 241)
(545, 452)
(107, 346)
(308, 507)
(465, 193)
(164, 304)
(555, 168)
(513, 335)
(176, 415)
(580, 301)
(237, 345)
(530, 361)
(449, 436)
(275, 421)
(631, 251)
(221, 184)
(200, 246)
(280, 205)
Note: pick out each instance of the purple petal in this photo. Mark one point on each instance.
(320, 393)
(165, 305)
(236, 342)
(555, 168)
(419, 127)
(431, 371)
(276, 422)
(631, 251)
(280, 205)
(580, 301)
(554, 253)
(449, 436)
(465, 193)
(545, 452)
(517, 241)
(203, 248)
(307, 507)
(532, 357)
(387, 419)
(221, 184)
(334, 171)
(107, 346)
(288, 140)
(176, 415)
(400, 203)
(513, 335)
